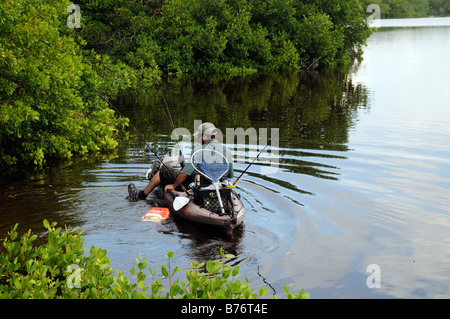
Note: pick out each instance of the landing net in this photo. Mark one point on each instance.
(210, 163)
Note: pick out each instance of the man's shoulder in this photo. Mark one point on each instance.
(213, 144)
(216, 145)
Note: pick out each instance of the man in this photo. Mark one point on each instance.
(171, 178)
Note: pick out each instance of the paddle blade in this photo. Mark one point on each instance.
(179, 202)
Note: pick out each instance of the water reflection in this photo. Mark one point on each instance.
(91, 196)
(50, 193)
(313, 144)
(260, 102)
(204, 243)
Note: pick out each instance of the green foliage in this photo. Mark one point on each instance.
(291, 295)
(440, 7)
(54, 81)
(410, 8)
(232, 38)
(52, 90)
(61, 269)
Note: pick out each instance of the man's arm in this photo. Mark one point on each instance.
(180, 179)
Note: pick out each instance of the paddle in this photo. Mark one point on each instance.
(179, 201)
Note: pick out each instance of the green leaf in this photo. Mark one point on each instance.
(175, 290)
(226, 272)
(235, 271)
(26, 294)
(216, 268)
(175, 270)
(210, 266)
(17, 283)
(155, 287)
(263, 291)
(164, 271)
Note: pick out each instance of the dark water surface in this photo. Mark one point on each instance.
(363, 178)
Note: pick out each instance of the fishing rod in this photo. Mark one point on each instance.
(282, 127)
(166, 111)
(169, 118)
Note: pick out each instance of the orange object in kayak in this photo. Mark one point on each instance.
(156, 214)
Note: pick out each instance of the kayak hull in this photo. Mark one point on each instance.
(201, 215)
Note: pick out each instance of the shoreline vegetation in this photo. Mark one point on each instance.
(56, 79)
(60, 268)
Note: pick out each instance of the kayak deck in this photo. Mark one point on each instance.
(201, 215)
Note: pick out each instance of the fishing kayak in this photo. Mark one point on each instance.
(208, 200)
(202, 209)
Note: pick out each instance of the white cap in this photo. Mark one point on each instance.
(207, 129)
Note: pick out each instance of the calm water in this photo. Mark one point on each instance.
(364, 176)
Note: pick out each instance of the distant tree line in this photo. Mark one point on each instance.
(392, 9)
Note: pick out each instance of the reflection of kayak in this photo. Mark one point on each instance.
(199, 202)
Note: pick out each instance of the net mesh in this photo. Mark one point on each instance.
(210, 163)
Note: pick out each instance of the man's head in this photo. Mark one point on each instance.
(206, 131)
